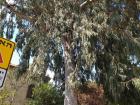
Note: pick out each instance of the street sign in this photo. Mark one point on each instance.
(1, 60)
(2, 76)
(6, 52)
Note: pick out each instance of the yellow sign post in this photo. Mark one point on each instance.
(6, 51)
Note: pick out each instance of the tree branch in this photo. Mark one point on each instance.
(20, 14)
(85, 3)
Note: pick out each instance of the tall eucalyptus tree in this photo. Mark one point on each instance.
(72, 36)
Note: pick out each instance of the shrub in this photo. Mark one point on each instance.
(46, 94)
(91, 94)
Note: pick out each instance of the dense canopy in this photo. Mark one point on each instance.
(80, 40)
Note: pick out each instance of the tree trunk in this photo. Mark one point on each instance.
(70, 97)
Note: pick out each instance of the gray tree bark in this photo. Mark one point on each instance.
(70, 97)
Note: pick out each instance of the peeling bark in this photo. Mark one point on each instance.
(70, 98)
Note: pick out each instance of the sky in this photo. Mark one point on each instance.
(15, 58)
